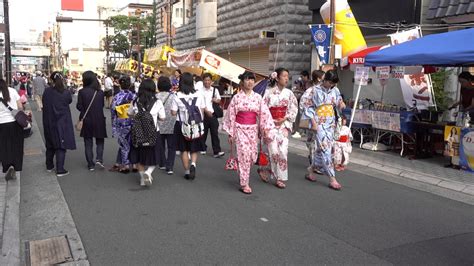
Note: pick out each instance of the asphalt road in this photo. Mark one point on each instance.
(208, 221)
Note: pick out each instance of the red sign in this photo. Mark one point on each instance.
(72, 5)
(212, 61)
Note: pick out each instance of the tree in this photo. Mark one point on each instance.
(126, 27)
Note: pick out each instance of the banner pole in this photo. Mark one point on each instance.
(356, 102)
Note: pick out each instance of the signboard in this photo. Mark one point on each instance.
(363, 117)
(386, 121)
(362, 76)
(466, 151)
(382, 72)
(397, 72)
(72, 5)
(452, 135)
(220, 66)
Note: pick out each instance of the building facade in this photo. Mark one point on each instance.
(232, 30)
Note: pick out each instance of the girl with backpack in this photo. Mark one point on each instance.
(189, 106)
(146, 110)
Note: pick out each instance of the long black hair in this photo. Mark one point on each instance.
(89, 79)
(186, 83)
(279, 71)
(4, 90)
(146, 93)
(58, 81)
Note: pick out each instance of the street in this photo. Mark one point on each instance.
(208, 221)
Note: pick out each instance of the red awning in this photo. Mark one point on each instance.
(359, 57)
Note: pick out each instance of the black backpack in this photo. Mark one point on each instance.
(143, 127)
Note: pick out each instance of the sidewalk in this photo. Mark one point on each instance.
(426, 171)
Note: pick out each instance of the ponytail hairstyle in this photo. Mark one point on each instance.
(58, 81)
(4, 91)
(276, 74)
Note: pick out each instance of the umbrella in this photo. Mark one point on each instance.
(444, 49)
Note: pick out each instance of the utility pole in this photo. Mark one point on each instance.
(332, 18)
(8, 51)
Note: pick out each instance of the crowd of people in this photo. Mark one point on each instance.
(155, 119)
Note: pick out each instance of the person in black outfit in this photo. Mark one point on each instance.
(57, 124)
(94, 121)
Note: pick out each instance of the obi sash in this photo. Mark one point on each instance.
(343, 138)
(246, 118)
(278, 112)
(326, 110)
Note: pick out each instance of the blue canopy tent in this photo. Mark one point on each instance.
(454, 49)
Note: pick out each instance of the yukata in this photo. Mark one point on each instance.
(308, 111)
(324, 101)
(282, 104)
(343, 147)
(121, 127)
(245, 116)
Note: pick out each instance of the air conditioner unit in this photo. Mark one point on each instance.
(264, 34)
(206, 21)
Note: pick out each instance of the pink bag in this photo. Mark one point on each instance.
(231, 164)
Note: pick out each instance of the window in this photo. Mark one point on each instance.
(182, 12)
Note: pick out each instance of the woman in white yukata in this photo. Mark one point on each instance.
(245, 116)
(283, 108)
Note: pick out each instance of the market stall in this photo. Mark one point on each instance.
(433, 50)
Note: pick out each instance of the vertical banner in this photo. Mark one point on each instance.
(72, 5)
(321, 35)
(466, 151)
(417, 89)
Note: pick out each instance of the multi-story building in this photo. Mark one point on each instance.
(232, 30)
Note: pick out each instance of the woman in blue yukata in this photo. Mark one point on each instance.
(122, 124)
(326, 98)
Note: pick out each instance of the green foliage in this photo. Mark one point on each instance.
(125, 33)
(438, 79)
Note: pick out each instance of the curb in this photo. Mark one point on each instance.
(11, 223)
(301, 149)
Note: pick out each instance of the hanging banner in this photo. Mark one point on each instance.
(466, 151)
(321, 35)
(417, 89)
(184, 59)
(220, 66)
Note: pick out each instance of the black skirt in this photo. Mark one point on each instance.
(195, 145)
(148, 156)
(11, 146)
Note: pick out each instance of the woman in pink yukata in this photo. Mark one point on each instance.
(245, 116)
(283, 107)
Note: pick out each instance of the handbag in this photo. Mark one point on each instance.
(232, 163)
(218, 112)
(80, 122)
(20, 117)
(262, 158)
(304, 124)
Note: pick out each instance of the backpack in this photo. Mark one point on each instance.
(143, 128)
(194, 127)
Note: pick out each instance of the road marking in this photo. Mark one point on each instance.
(263, 219)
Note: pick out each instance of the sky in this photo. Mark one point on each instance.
(28, 18)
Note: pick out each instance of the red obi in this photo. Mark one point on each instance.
(343, 138)
(246, 118)
(278, 112)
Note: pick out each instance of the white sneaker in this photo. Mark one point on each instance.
(148, 179)
(219, 154)
(203, 153)
(296, 135)
(142, 181)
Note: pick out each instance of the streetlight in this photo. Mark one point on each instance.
(105, 21)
